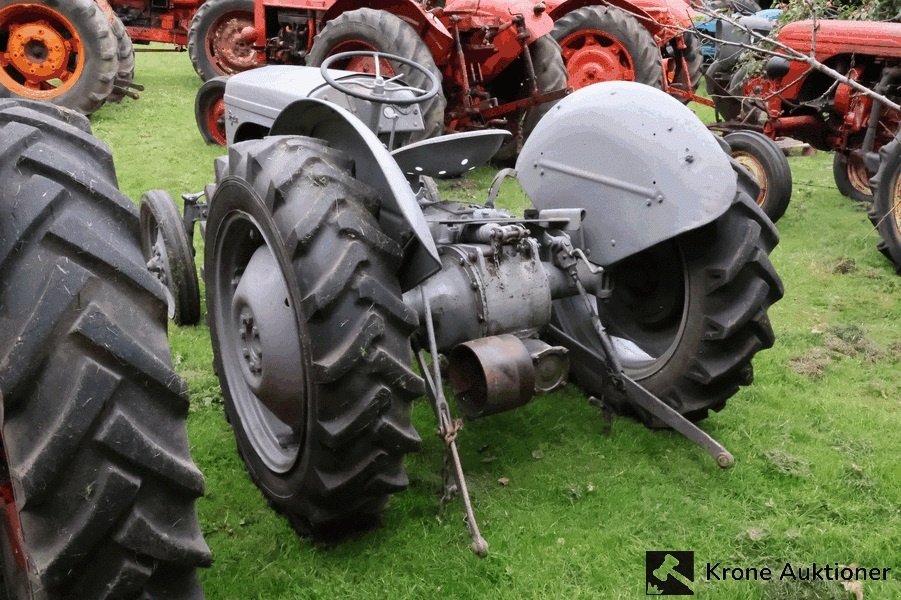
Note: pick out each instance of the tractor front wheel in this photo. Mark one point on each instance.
(605, 43)
(311, 339)
(886, 211)
(60, 51)
(367, 29)
(852, 177)
(768, 167)
(97, 486)
(216, 43)
(687, 315)
(209, 111)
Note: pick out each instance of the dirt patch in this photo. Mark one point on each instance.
(811, 364)
(787, 464)
(852, 341)
(844, 266)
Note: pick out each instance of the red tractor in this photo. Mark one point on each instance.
(641, 40)
(79, 53)
(793, 100)
(497, 61)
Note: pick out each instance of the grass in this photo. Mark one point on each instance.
(816, 438)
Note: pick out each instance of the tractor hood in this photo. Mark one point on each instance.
(844, 37)
(642, 165)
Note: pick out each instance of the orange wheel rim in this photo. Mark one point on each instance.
(593, 56)
(42, 55)
(215, 121)
(757, 172)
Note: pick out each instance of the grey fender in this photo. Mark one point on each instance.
(642, 165)
(400, 215)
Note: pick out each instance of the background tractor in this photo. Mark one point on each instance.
(791, 99)
(97, 486)
(644, 41)
(329, 260)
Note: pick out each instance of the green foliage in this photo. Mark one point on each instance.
(872, 10)
(816, 437)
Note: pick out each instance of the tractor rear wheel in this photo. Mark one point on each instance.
(605, 43)
(512, 84)
(381, 31)
(97, 486)
(886, 211)
(215, 42)
(311, 339)
(693, 311)
(61, 51)
(126, 54)
(852, 177)
(768, 167)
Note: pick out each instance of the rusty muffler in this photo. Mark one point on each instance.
(493, 374)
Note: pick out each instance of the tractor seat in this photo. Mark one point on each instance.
(450, 155)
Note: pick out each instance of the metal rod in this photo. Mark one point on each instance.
(447, 428)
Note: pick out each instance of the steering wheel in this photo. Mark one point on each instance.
(379, 88)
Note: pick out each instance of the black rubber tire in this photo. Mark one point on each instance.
(125, 74)
(886, 211)
(96, 82)
(170, 256)
(208, 95)
(694, 59)
(550, 73)
(297, 197)
(849, 183)
(388, 33)
(624, 27)
(724, 270)
(720, 80)
(769, 168)
(96, 449)
(206, 63)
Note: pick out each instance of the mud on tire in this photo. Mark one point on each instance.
(696, 304)
(296, 262)
(97, 469)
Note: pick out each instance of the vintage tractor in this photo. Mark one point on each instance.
(645, 41)
(794, 100)
(80, 53)
(97, 486)
(499, 66)
(642, 270)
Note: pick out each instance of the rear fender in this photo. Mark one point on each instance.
(400, 215)
(643, 166)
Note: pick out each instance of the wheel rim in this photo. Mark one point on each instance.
(648, 307)
(363, 64)
(758, 172)
(157, 256)
(215, 121)
(593, 56)
(260, 345)
(42, 56)
(858, 176)
(227, 48)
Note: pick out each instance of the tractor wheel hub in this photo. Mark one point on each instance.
(593, 56)
(38, 51)
(231, 48)
(266, 338)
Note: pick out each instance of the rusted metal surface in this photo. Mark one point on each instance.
(491, 375)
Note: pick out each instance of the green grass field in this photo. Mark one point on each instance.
(816, 438)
